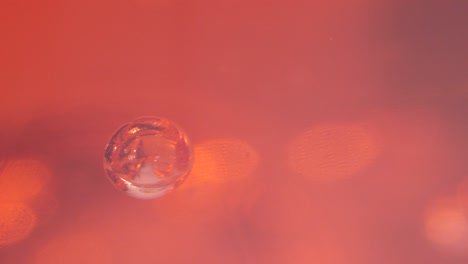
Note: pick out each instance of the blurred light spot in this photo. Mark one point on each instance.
(331, 152)
(220, 178)
(21, 180)
(446, 226)
(223, 160)
(16, 222)
(75, 248)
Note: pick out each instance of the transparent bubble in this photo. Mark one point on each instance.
(148, 157)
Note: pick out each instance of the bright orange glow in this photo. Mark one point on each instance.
(21, 180)
(446, 225)
(331, 152)
(74, 248)
(221, 178)
(16, 222)
(223, 160)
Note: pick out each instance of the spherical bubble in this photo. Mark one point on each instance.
(148, 157)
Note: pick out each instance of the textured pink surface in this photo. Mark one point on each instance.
(326, 132)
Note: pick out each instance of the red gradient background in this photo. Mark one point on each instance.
(329, 132)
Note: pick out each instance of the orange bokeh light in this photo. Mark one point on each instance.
(16, 222)
(79, 247)
(446, 225)
(22, 180)
(221, 178)
(331, 151)
(23, 200)
(223, 160)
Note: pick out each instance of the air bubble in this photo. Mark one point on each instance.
(148, 157)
